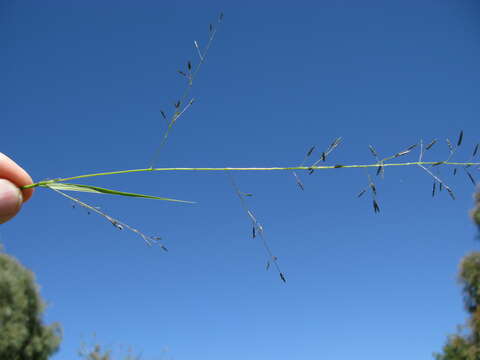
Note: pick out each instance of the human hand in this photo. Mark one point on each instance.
(12, 177)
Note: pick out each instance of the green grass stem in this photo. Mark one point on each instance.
(326, 167)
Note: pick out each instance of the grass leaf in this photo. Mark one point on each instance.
(99, 190)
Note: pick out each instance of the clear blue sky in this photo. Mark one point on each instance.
(82, 87)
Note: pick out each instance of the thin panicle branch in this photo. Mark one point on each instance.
(442, 183)
(325, 154)
(420, 156)
(400, 153)
(257, 229)
(149, 240)
(191, 75)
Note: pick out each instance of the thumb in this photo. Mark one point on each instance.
(10, 200)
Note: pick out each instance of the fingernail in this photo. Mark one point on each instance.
(10, 200)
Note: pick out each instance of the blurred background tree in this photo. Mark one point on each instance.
(466, 344)
(23, 336)
(96, 352)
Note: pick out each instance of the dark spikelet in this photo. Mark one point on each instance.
(372, 150)
(253, 232)
(438, 163)
(163, 114)
(182, 73)
(440, 187)
(310, 171)
(268, 265)
(220, 17)
(300, 185)
(298, 181)
(117, 225)
(189, 65)
(460, 138)
(472, 179)
(283, 277)
(324, 157)
(379, 170)
(374, 189)
(406, 151)
(310, 151)
(337, 142)
(475, 150)
(454, 171)
(429, 146)
(177, 104)
(376, 208)
(164, 248)
(450, 146)
(434, 187)
(338, 166)
(450, 192)
(210, 27)
(334, 144)
(361, 193)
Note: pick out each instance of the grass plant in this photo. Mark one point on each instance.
(307, 165)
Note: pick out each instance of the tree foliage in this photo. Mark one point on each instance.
(476, 211)
(466, 344)
(23, 336)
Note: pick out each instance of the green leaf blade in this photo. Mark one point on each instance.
(99, 190)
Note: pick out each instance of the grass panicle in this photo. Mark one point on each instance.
(189, 71)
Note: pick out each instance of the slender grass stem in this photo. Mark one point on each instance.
(328, 167)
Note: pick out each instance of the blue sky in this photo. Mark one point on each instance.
(84, 83)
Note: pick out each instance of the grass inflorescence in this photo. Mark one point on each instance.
(189, 72)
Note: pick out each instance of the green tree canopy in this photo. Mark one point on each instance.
(23, 336)
(466, 344)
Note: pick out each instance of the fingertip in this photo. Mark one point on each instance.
(11, 171)
(27, 193)
(11, 200)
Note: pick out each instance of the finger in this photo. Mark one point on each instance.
(11, 171)
(10, 200)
